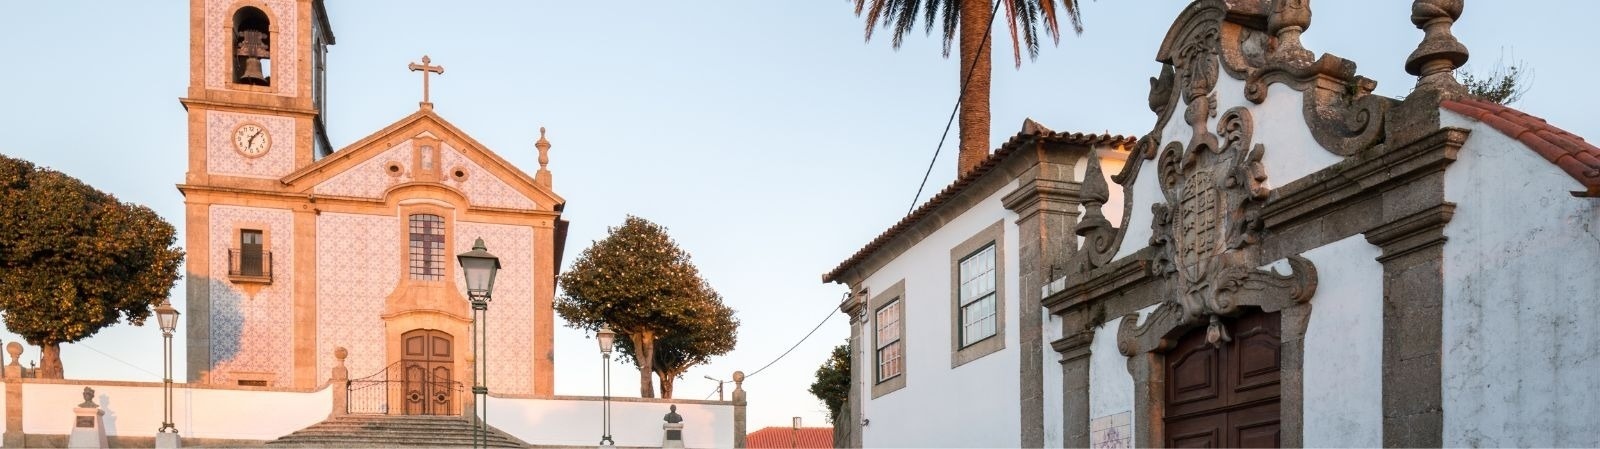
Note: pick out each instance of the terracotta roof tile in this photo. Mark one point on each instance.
(772, 437)
(1575, 156)
(1030, 131)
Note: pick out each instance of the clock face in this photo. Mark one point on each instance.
(250, 139)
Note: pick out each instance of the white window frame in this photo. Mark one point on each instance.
(967, 296)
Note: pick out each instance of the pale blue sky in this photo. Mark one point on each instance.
(767, 136)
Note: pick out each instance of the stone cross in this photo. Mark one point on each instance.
(425, 68)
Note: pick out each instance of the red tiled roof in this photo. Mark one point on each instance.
(1578, 158)
(812, 437)
(1030, 131)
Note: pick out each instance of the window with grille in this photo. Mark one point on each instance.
(977, 296)
(890, 351)
(427, 247)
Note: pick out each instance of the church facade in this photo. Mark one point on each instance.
(296, 250)
(1294, 261)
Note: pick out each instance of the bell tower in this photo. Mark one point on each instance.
(257, 90)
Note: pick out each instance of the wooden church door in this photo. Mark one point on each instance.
(427, 363)
(1225, 396)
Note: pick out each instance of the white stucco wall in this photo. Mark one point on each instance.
(576, 422)
(1343, 370)
(134, 409)
(1054, 413)
(1521, 299)
(974, 405)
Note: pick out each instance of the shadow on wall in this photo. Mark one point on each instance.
(227, 323)
(108, 417)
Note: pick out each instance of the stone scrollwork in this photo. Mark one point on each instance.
(1206, 229)
(1100, 240)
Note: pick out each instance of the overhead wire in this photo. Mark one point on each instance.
(982, 46)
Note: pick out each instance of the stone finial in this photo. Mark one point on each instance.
(339, 370)
(1288, 20)
(1440, 54)
(738, 386)
(672, 416)
(88, 398)
(15, 349)
(543, 175)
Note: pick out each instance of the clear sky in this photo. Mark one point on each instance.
(766, 136)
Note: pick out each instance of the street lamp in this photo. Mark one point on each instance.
(167, 318)
(479, 267)
(607, 338)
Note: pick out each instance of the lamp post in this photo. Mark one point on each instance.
(479, 267)
(167, 318)
(607, 338)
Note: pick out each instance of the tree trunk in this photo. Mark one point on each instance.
(666, 383)
(644, 344)
(974, 115)
(50, 362)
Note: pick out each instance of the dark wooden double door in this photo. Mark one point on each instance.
(1225, 396)
(427, 364)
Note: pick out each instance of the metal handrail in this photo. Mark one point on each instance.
(249, 263)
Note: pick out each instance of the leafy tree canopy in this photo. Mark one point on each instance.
(833, 381)
(641, 284)
(74, 260)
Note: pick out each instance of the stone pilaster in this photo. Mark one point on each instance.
(1075, 353)
(1046, 205)
(1413, 322)
(739, 403)
(854, 307)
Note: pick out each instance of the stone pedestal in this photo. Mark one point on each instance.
(672, 435)
(88, 430)
(168, 440)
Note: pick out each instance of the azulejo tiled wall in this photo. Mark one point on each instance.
(285, 44)
(370, 178)
(223, 159)
(358, 268)
(481, 187)
(251, 333)
(510, 315)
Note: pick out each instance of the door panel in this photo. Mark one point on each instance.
(428, 364)
(1225, 396)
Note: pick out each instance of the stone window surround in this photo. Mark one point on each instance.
(228, 54)
(896, 292)
(403, 238)
(432, 145)
(237, 239)
(993, 234)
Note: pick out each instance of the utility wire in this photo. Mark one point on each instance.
(982, 47)
(124, 362)
(796, 344)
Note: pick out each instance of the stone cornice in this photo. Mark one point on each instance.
(1073, 347)
(241, 107)
(1119, 275)
(1039, 195)
(1413, 232)
(1310, 197)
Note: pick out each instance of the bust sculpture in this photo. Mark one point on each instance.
(88, 398)
(672, 415)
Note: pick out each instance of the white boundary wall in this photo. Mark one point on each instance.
(133, 409)
(575, 421)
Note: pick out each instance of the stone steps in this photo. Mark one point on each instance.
(392, 431)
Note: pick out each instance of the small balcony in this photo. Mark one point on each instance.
(252, 265)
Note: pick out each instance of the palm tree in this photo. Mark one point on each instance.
(1026, 15)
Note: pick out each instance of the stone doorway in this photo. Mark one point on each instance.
(1225, 396)
(427, 366)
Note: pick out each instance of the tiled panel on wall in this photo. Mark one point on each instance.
(222, 158)
(481, 187)
(285, 44)
(357, 268)
(370, 178)
(252, 333)
(1111, 431)
(510, 315)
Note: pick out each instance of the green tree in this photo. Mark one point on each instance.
(74, 260)
(641, 284)
(969, 19)
(706, 329)
(833, 381)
